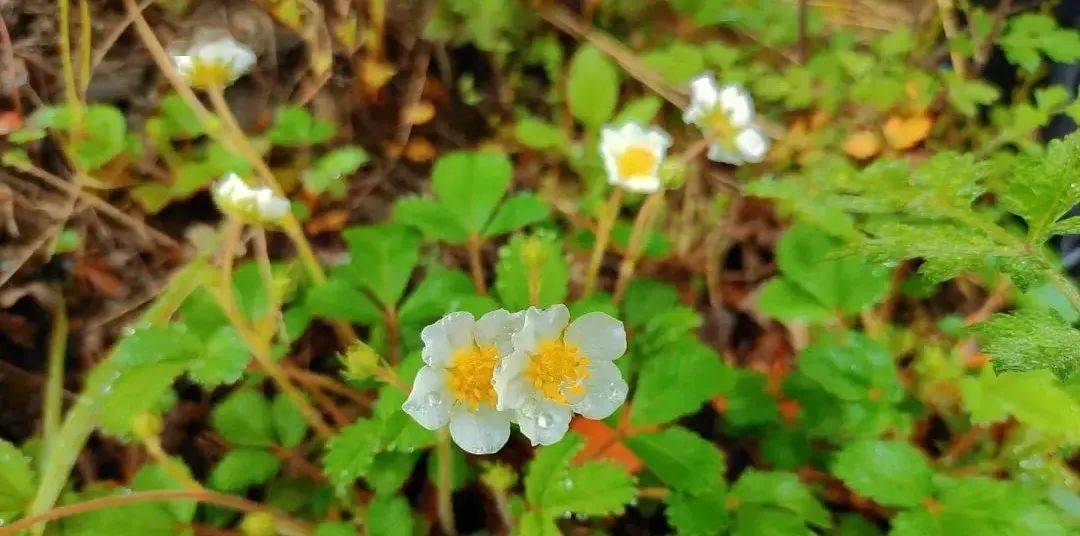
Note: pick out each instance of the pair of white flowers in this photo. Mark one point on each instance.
(633, 154)
(534, 368)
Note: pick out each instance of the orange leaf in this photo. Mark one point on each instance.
(905, 133)
(601, 443)
(862, 144)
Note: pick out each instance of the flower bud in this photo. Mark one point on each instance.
(360, 361)
(259, 524)
(146, 425)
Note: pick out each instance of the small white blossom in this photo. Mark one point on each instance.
(252, 205)
(727, 113)
(455, 385)
(212, 59)
(557, 369)
(632, 156)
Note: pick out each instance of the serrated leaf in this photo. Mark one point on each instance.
(593, 489)
(854, 368)
(382, 258)
(431, 218)
(336, 298)
(242, 468)
(294, 126)
(439, 293)
(980, 505)
(470, 185)
(290, 425)
(781, 490)
(1031, 339)
(350, 453)
(244, 418)
(138, 389)
(892, 473)
(543, 471)
(693, 367)
(390, 515)
(645, 298)
(224, 360)
(681, 459)
(1041, 189)
(517, 212)
(1034, 398)
(592, 87)
(698, 515)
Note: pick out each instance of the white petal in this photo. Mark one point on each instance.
(605, 391)
(600, 336)
(429, 402)
(511, 387)
(542, 421)
(540, 325)
(737, 104)
(718, 152)
(496, 327)
(704, 96)
(752, 144)
(484, 431)
(445, 336)
(642, 185)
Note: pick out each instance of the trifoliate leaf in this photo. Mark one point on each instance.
(439, 293)
(682, 460)
(698, 515)
(852, 369)
(390, 515)
(645, 298)
(892, 473)
(470, 185)
(336, 298)
(516, 212)
(224, 360)
(349, 454)
(294, 127)
(592, 489)
(430, 217)
(290, 425)
(1029, 34)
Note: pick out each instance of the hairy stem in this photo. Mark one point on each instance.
(476, 264)
(54, 386)
(444, 490)
(609, 213)
(638, 238)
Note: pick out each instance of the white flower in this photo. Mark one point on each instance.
(212, 59)
(632, 156)
(253, 205)
(727, 112)
(556, 370)
(455, 385)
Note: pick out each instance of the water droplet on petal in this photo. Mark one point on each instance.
(544, 420)
(433, 400)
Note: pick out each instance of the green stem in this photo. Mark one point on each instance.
(445, 488)
(81, 420)
(1065, 285)
(54, 387)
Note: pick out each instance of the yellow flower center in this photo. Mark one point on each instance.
(210, 73)
(557, 369)
(469, 375)
(718, 123)
(635, 161)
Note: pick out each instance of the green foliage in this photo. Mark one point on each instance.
(1031, 34)
(391, 516)
(532, 266)
(296, 127)
(892, 473)
(592, 87)
(681, 459)
(328, 172)
(554, 487)
(689, 364)
(16, 480)
(1031, 339)
(244, 418)
(242, 468)
(979, 505)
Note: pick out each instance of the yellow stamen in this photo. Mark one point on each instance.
(718, 123)
(557, 369)
(469, 375)
(210, 73)
(635, 161)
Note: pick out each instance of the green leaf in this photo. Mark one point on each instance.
(980, 505)
(179, 119)
(781, 490)
(224, 360)
(1041, 189)
(645, 298)
(337, 299)
(535, 523)
(787, 302)
(153, 477)
(966, 95)
(145, 519)
(892, 473)
(1067, 226)
(853, 369)
(244, 418)
(470, 185)
(390, 515)
(677, 62)
(543, 472)
(1034, 398)
(640, 110)
(517, 212)
(693, 367)
(390, 470)
(532, 262)
(296, 127)
(336, 528)
(101, 135)
(747, 402)
(349, 454)
(694, 515)
(681, 459)
(329, 171)
(764, 521)
(168, 343)
(431, 218)
(592, 87)
(290, 425)
(1031, 339)
(537, 134)
(439, 293)
(382, 258)
(136, 390)
(242, 468)
(16, 480)
(593, 489)
(1029, 34)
